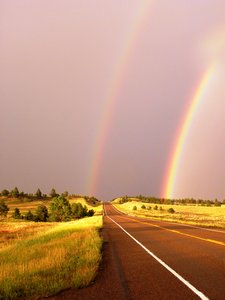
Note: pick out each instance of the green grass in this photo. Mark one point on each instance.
(189, 214)
(45, 260)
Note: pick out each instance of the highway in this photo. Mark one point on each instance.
(147, 259)
(162, 260)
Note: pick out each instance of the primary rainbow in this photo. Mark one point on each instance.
(182, 134)
(108, 110)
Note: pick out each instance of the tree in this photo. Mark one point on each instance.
(3, 208)
(16, 214)
(79, 211)
(5, 193)
(60, 209)
(15, 192)
(41, 214)
(29, 216)
(38, 193)
(53, 193)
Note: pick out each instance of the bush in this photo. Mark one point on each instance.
(29, 216)
(143, 206)
(16, 214)
(149, 208)
(41, 214)
(134, 207)
(3, 208)
(90, 213)
(171, 210)
(79, 211)
(155, 207)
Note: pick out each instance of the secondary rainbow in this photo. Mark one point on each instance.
(196, 101)
(108, 110)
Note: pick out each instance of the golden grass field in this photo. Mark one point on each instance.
(40, 259)
(189, 214)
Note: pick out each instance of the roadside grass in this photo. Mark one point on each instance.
(47, 258)
(11, 232)
(189, 214)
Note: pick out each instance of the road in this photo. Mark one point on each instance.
(146, 259)
(173, 255)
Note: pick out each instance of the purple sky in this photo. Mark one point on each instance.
(57, 60)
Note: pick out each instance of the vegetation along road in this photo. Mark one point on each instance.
(146, 259)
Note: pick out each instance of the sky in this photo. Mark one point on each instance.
(108, 98)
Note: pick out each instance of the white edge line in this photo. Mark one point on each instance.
(188, 284)
(168, 222)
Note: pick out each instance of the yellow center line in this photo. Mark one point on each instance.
(177, 232)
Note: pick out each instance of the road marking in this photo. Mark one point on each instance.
(184, 281)
(178, 232)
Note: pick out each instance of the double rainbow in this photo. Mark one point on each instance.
(108, 111)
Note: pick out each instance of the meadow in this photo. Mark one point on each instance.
(41, 259)
(205, 216)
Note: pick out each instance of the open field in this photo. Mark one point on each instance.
(42, 259)
(189, 214)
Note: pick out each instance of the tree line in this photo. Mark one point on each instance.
(186, 201)
(59, 210)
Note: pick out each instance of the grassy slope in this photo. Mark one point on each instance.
(24, 206)
(40, 259)
(189, 214)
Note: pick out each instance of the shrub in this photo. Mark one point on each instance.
(41, 214)
(171, 210)
(3, 208)
(134, 207)
(143, 206)
(155, 207)
(79, 211)
(149, 208)
(29, 216)
(16, 214)
(90, 213)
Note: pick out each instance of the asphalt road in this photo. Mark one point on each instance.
(146, 259)
(179, 262)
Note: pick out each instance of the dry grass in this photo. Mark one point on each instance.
(53, 257)
(189, 214)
